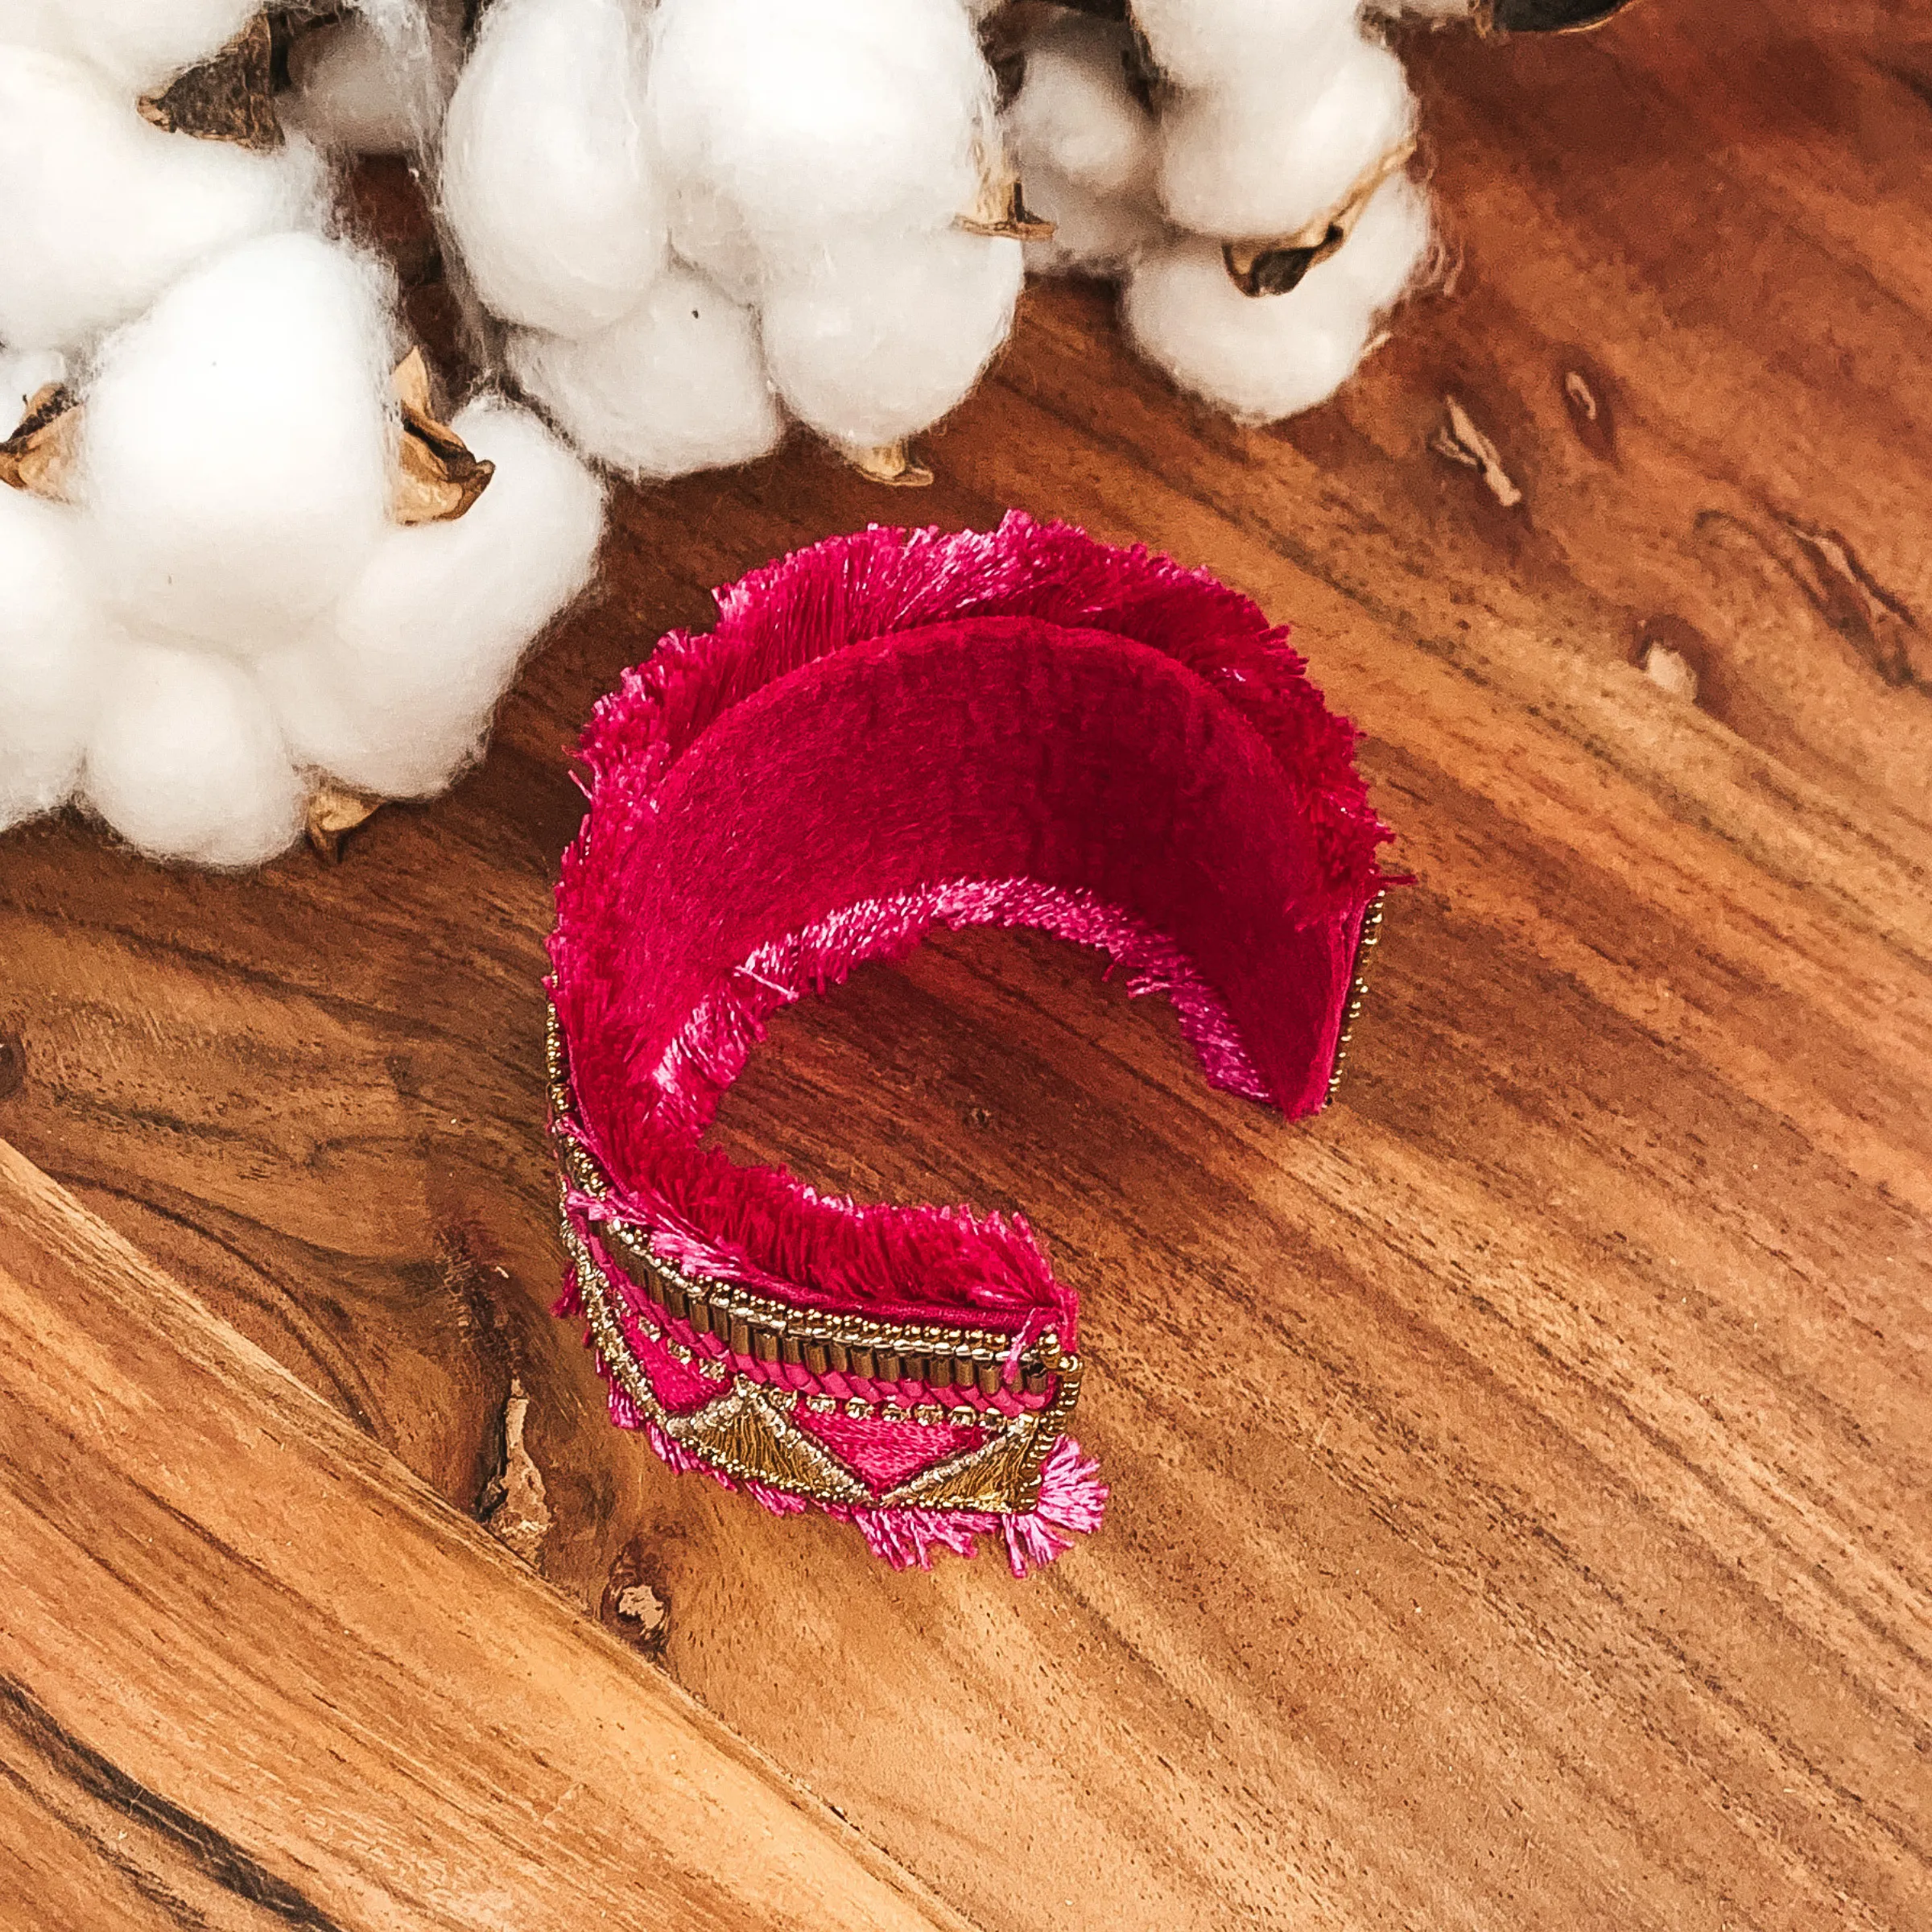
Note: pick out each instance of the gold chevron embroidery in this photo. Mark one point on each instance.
(747, 1434)
(1001, 1476)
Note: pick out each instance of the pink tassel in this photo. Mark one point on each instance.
(1073, 1500)
(676, 1456)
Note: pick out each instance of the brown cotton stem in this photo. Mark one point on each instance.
(1278, 265)
(437, 478)
(332, 813)
(229, 96)
(1496, 17)
(889, 464)
(39, 457)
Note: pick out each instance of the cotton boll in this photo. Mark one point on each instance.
(812, 118)
(1268, 158)
(138, 43)
(396, 695)
(353, 90)
(1092, 233)
(883, 335)
(548, 181)
(237, 445)
(1387, 248)
(99, 211)
(1264, 358)
(184, 760)
(709, 233)
(1075, 114)
(1205, 43)
(50, 645)
(23, 377)
(678, 385)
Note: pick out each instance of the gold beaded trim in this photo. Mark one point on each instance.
(1358, 987)
(747, 1430)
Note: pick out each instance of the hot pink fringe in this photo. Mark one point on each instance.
(761, 1227)
(847, 589)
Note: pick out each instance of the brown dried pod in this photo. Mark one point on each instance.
(437, 478)
(229, 96)
(333, 812)
(1545, 16)
(889, 463)
(1000, 207)
(39, 457)
(1275, 268)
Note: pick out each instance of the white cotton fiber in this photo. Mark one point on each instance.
(882, 336)
(138, 44)
(1263, 357)
(237, 444)
(1093, 233)
(99, 211)
(50, 649)
(1085, 148)
(678, 385)
(353, 89)
(548, 181)
(1207, 44)
(23, 377)
(1075, 114)
(1385, 251)
(1282, 149)
(396, 694)
(184, 760)
(810, 118)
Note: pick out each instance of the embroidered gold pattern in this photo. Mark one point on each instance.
(747, 1430)
(1371, 930)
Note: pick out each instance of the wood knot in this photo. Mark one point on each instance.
(1675, 656)
(1587, 398)
(635, 1606)
(1460, 440)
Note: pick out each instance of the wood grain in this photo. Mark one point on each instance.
(1523, 1503)
(254, 1673)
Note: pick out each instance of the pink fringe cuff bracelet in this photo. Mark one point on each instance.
(885, 732)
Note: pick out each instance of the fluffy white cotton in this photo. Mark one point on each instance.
(50, 652)
(1096, 234)
(548, 181)
(396, 695)
(1283, 148)
(138, 44)
(185, 762)
(1085, 148)
(678, 385)
(24, 376)
(1208, 44)
(355, 89)
(237, 444)
(808, 119)
(1075, 113)
(99, 211)
(1264, 358)
(882, 336)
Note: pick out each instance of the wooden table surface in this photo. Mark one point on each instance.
(1536, 1530)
